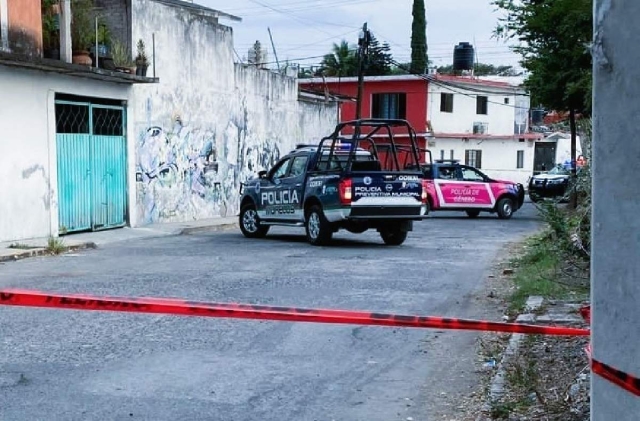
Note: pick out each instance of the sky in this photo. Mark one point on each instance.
(308, 28)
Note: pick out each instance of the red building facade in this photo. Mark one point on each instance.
(400, 96)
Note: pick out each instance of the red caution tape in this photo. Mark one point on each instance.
(615, 376)
(585, 312)
(249, 311)
(293, 314)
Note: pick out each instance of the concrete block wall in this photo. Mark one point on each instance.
(117, 15)
(210, 123)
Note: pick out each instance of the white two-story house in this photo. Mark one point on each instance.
(483, 123)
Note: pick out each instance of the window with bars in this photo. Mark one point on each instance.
(76, 118)
(390, 105)
(473, 158)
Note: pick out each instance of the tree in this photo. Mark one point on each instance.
(378, 61)
(482, 69)
(341, 62)
(257, 55)
(554, 36)
(400, 69)
(419, 58)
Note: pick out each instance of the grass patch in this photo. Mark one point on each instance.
(540, 271)
(55, 245)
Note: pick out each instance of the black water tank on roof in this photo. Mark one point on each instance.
(463, 56)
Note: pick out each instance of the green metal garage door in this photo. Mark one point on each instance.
(92, 166)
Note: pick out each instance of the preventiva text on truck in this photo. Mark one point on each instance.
(347, 181)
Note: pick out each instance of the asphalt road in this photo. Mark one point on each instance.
(72, 365)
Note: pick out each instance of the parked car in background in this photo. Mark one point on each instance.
(453, 186)
(552, 184)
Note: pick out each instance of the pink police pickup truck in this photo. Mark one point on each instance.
(456, 187)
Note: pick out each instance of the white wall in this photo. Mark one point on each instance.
(563, 149)
(499, 157)
(28, 174)
(500, 117)
(209, 124)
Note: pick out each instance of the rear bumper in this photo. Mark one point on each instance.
(377, 213)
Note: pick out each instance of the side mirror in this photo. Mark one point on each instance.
(262, 174)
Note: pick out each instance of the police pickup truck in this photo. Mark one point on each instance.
(339, 184)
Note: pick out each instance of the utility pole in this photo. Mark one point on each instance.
(363, 50)
(615, 266)
(274, 48)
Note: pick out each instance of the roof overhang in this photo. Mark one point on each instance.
(461, 81)
(318, 96)
(526, 136)
(200, 10)
(354, 79)
(69, 69)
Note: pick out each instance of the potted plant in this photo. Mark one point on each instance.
(122, 59)
(50, 29)
(103, 40)
(81, 31)
(142, 62)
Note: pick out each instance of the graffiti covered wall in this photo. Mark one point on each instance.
(209, 124)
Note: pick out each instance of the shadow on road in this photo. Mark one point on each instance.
(335, 242)
(483, 218)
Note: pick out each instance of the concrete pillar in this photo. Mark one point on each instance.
(65, 31)
(615, 257)
(4, 26)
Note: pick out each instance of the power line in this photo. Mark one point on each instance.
(304, 58)
(299, 19)
(318, 42)
(309, 7)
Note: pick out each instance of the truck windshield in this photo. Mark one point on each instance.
(558, 170)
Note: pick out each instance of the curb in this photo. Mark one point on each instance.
(496, 386)
(42, 251)
(208, 228)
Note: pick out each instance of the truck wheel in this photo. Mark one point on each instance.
(393, 236)
(319, 230)
(473, 213)
(250, 223)
(505, 208)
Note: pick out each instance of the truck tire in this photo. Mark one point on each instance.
(473, 213)
(505, 208)
(393, 236)
(319, 230)
(250, 222)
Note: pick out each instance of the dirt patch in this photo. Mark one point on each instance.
(548, 377)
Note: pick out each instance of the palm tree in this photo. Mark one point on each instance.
(341, 62)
